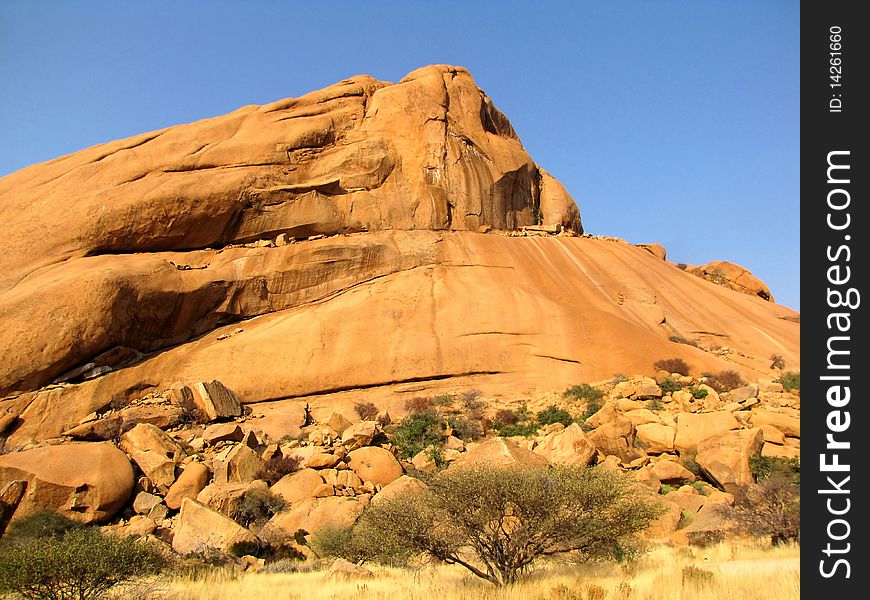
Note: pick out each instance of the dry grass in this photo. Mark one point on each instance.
(729, 571)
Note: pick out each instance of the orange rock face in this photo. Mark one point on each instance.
(183, 256)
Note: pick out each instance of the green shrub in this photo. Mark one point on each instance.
(697, 576)
(619, 378)
(764, 467)
(584, 391)
(666, 489)
(553, 414)
(278, 467)
(525, 429)
(256, 507)
(443, 400)
(698, 393)
(43, 523)
(419, 404)
(418, 431)
(504, 416)
(686, 518)
(80, 564)
(672, 365)
(335, 541)
(549, 510)
(790, 381)
(655, 404)
(669, 385)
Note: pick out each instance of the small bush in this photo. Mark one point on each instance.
(666, 489)
(672, 365)
(678, 339)
(419, 404)
(764, 467)
(584, 391)
(686, 518)
(471, 399)
(278, 467)
(256, 507)
(504, 416)
(43, 523)
(777, 362)
(724, 381)
(693, 575)
(418, 431)
(337, 542)
(669, 386)
(554, 414)
(266, 550)
(698, 393)
(366, 411)
(618, 378)
(81, 563)
(772, 508)
(525, 429)
(442, 400)
(655, 404)
(467, 430)
(790, 381)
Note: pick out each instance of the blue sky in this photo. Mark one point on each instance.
(668, 121)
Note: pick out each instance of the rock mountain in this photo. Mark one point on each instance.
(366, 240)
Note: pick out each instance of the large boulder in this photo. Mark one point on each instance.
(240, 465)
(89, 482)
(733, 276)
(200, 528)
(154, 452)
(693, 428)
(190, 482)
(615, 438)
(655, 438)
(313, 515)
(786, 420)
(569, 447)
(724, 458)
(298, 486)
(374, 464)
(498, 452)
(402, 485)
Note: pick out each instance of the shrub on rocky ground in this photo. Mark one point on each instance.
(791, 381)
(553, 414)
(256, 507)
(418, 431)
(724, 381)
(366, 411)
(669, 385)
(672, 365)
(583, 391)
(278, 467)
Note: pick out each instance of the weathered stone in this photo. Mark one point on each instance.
(298, 486)
(321, 460)
(140, 526)
(402, 485)
(695, 428)
(148, 438)
(641, 389)
(642, 416)
(199, 528)
(604, 415)
(86, 481)
(655, 438)
(144, 502)
(569, 447)
(773, 450)
(772, 435)
(359, 435)
(374, 464)
(338, 423)
(192, 480)
(161, 416)
(424, 462)
(497, 452)
(312, 515)
(215, 401)
(725, 457)
(222, 432)
(743, 393)
(788, 424)
(6, 421)
(454, 443)
(343, 570)
(241, 464)
(671, 472)
(687, 499)
(615, 438)
(226, 498)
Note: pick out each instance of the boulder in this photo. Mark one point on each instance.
(642, 416)
(241, 465)
(569, 447)
(638, 389)
(615, 438)
(655, 438)
(162, 416)
(742, 394)
(671, 472)
(312, 515)
(321, 460)
(140, 526)
(343, 570)
(693, 428)
(359, 435)
(498, 452)
(226, 498)
(688, 499)
(144, 502)
(192, 480)
(788, 423)
(87, 481)
(199, 528)
(735, 277)
(775, 451)
(215, 401)
(402, 485)
(772, 435)
(298, 486)
(724, 458)
(223, 432)
(374, 464)
(338, 423)
(603, 415)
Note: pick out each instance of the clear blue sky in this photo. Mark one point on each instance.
(674, 122)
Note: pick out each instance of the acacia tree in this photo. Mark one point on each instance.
(771, 508)
(496, 521)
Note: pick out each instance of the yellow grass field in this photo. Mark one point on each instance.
(736, 570)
